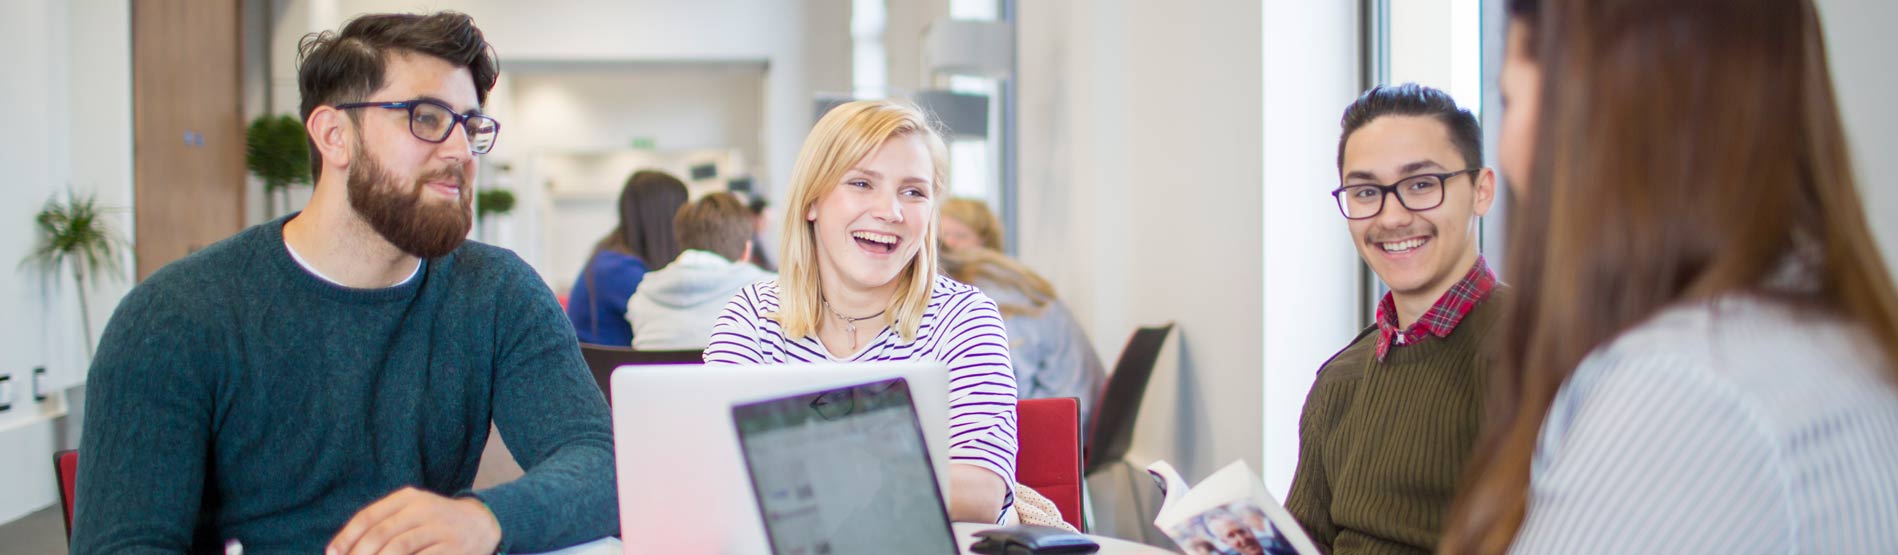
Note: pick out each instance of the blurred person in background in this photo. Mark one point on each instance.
(1051, 353)
(1701, 358)
(759, 223)
(642, 242)
(968, 223)
(675, 306)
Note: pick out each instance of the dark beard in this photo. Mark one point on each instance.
(424, 230)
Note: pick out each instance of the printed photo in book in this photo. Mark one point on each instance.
(1236, 529)
(1228, 513)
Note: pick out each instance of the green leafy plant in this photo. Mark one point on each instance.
(75, 234)
(493, 202)
(277, 150)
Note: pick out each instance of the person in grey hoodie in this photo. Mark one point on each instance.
(674, 307)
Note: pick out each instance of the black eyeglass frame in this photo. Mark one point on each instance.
(464, 121)
(1387, 191)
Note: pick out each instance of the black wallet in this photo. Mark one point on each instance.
(1025, 539)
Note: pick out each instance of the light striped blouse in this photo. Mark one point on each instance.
(961, 328)
(1734, 426)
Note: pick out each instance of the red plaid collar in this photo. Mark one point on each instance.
(1442, 317)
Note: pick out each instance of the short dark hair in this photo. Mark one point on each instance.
(718, 223)
(347, 66)
(1411, 99)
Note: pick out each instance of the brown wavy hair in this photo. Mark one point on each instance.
(349, 65)
(1685, 150)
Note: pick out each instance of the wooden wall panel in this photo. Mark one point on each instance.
(188, 154)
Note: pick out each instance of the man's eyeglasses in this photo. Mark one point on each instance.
(433, 121)
(1416, 193)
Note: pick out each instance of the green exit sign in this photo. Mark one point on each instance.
(645, 143)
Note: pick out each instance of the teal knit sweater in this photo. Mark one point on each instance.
(237, 396)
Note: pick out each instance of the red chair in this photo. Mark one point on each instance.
(66, 468)
(1049, 456)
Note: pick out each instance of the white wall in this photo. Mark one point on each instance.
(1311, 287)
(903, 41)
(679, 106)
(66, 102)
(1859, 42)
(804, 42)
(1147, 134)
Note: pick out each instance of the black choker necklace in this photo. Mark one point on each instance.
(850, 324)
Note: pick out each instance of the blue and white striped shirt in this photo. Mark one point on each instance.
(961, 329)
(1733, 426)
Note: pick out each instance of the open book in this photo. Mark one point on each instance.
(1228, 513)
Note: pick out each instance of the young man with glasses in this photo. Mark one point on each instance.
(1391, 418)
(325, 382)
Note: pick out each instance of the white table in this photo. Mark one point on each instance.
(965, 536)
(604, 546)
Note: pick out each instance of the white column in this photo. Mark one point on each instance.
(1311, 305)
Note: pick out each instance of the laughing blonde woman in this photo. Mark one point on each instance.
(858, 282)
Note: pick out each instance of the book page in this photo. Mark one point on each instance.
(1228, 513)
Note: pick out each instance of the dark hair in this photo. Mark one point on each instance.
(1684, 151)
(1411, 99)
(1526, 10)
(646, 206)
(347, 66)
(718, 223)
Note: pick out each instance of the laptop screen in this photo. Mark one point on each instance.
(843, 471)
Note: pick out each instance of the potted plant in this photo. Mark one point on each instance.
(276, 149)
(74, 234)
(491, 202)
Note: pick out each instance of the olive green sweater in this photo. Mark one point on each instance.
(1381, 444)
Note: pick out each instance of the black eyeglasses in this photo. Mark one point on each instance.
(1416, 193)
(433, 121)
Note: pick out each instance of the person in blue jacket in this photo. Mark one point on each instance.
(643, 241)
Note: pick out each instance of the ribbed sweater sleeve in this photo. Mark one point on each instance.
(150, 404)
(554, 421)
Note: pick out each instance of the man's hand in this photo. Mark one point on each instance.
(412, 521)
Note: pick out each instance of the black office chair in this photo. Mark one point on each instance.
(602, 359)
(1112, 431)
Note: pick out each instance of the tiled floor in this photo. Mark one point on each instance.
(40, 533)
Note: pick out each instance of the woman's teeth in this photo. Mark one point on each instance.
(875, 237)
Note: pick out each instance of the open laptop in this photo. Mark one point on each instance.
(843, 471)
(682, 483)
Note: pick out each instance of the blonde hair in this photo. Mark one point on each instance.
(840, 140)
(995, 269)
(976, 214)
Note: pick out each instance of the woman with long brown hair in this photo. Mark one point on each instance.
(642, 242)
(1700, 357)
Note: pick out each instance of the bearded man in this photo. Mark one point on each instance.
(325, 382)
